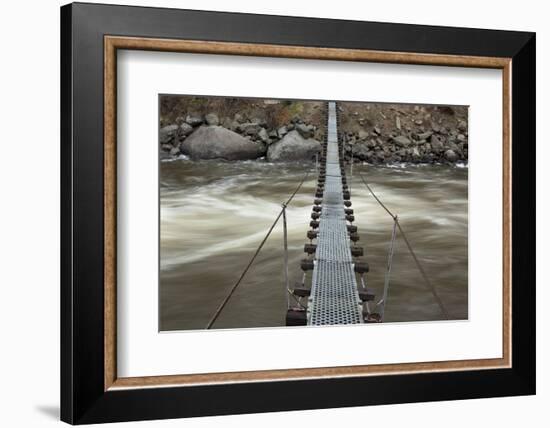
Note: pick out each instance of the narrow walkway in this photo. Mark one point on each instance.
(334, 297)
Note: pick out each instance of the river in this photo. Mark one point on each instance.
(214, 214)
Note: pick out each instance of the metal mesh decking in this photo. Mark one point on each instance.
(334, 298)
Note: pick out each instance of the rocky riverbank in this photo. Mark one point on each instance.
(276, 130)
(391, 133)
(243, 129)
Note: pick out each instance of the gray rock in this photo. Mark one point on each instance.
(239, 118)
(397, 122)
(216, 142)
(305, 131)
(185, 129)
(168, 134)
(212, 119)
(250, 128)
(380, 155)
(273, 134)
(455, 148)
(377, 130)
(437, 143)
(193, 120)
(263, 135)
(293, 147)
(462, 125)
(363, 135)
(259, 121)
(361, 151)
(282, 131)
(425, 135)
(402, 141)
(175, 151)
(227, 123)
(234, 126)
(429, 157)
(451, 156)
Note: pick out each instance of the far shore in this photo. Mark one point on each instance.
(283, 131)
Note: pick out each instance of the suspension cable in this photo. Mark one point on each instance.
(423, 272)
(376, 197)
(413, 254)
(391, 250)
(224, 302)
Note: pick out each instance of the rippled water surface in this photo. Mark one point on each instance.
(214, 215)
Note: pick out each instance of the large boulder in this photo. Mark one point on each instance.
(216, 142)
(293, 147)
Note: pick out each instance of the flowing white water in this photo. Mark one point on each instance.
(214, 214)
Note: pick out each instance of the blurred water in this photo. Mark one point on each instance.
(214, 214)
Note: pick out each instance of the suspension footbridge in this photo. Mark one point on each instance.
(333, 289)
(334, 297)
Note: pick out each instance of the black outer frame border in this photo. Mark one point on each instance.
(83, 399)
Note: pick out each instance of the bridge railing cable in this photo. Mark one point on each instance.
(382, 302)
(243, 274)
(413, 254)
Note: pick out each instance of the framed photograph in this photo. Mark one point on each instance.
(267, 213)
